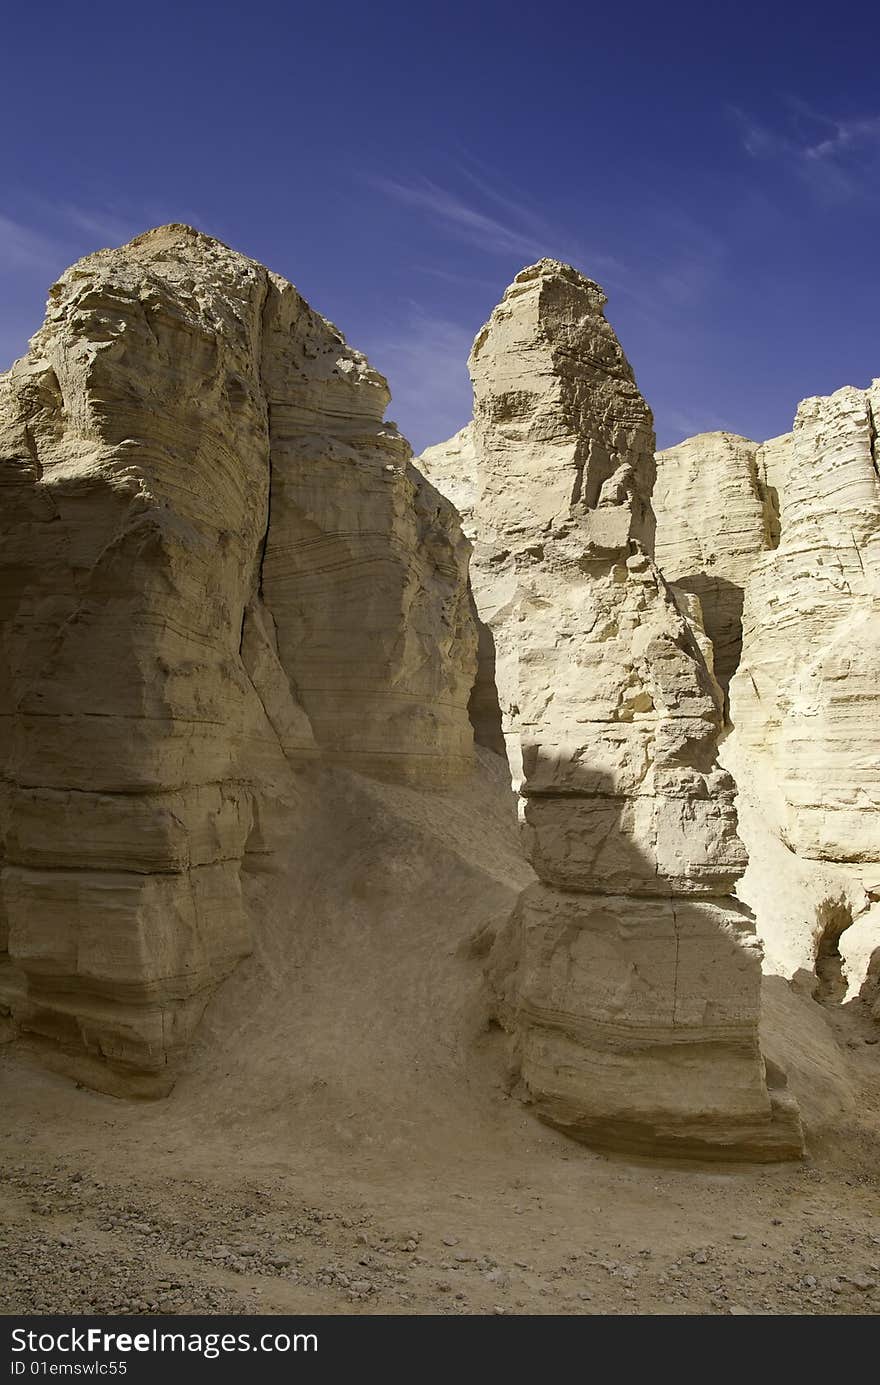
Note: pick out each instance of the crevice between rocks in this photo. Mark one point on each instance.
(834, 917)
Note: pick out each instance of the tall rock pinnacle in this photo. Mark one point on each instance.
(629, 976)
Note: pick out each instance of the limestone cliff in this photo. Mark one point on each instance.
(629, 976)
(216, 562)
(715, 516)
(795, 534)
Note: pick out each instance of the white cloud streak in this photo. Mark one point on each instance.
(522, 232)
(425, 360)
(24, 248)
(837, 159)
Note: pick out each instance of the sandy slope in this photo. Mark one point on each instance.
(342, 1138)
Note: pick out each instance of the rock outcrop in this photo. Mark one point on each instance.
(795, 530)
(715, 516)
(629, 975)
(225, 586)
(216, 563)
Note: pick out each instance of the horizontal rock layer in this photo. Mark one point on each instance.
(792, 528)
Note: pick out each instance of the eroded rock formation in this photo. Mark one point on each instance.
(224, 586)
(216, 562)
(715, 515)
(629, 976)
(793, 526)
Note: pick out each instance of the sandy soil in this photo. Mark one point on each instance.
(342, 1138)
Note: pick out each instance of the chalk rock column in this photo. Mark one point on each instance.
(629, 976)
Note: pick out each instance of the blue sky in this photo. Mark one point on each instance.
(715, 168)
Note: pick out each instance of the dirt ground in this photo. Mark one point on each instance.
(341, 1138)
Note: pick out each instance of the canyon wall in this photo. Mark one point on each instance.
(715, 516)
(793, 526)
(223, 578)
(629, 976)
(216, 564)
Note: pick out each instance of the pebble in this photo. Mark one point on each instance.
(862, 1281)
(87, 1278)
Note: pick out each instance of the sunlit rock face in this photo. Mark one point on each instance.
(629, 976)
(716, 515)
(793, 525)
(216, 564)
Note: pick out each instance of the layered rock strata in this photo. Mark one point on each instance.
(715, 515)
(629, 975)
(216, 563)
(805, 691)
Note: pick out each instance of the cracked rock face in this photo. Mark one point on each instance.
(804, 741)
(216, 564)
(629, 975)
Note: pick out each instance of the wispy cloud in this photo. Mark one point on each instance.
(425, 357)
(847, 136)
(681, 271)
(681, 423)
(451, 276)
(25, 248)
(103, 226)
(511, 227)
(838, 159)
(454, 213)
